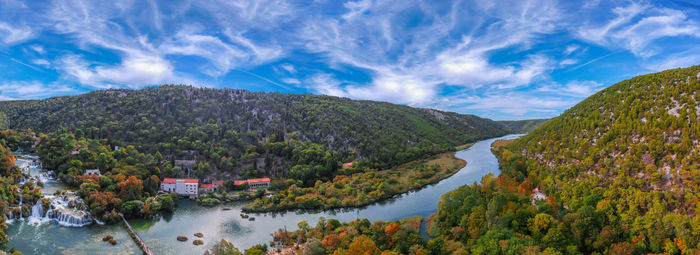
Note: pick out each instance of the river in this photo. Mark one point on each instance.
(216, 223)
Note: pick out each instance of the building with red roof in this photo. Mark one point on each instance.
(259, 183)
(346, 165)
(185, 187)
(254, 183)
(207, 187)
(217, 183)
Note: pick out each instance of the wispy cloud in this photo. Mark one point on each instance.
(135, 72)
(16, 90)
(637, 25)
(471, 55)
(12, 35)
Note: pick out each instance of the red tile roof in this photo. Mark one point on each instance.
(258, 180)
(207, 186)
(173, 180)
(240, 182)
(218, 182)
(346, 165)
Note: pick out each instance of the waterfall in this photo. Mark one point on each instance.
(38, 210)
(66, 210)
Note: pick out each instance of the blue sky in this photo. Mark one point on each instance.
(497, 59)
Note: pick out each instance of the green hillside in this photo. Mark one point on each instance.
(230, 129)
(523, 126)
(619, 173)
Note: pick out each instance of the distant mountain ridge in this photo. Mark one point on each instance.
(173, 118)
(523, 126)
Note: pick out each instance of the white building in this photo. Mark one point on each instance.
(254, 183)
(207, 187)
(185, 187)
(259, 183)
(92, 172)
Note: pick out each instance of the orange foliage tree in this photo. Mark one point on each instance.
(390, 230)
(331, 241)
(362, 245)
(132, 184)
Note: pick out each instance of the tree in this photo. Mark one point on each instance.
(362, 245)
(331, 242)
(167, 203)
(132, 208)
(130, 187)
(223, 247)
(314, 247)
(7, 162)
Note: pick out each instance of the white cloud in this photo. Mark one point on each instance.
(427, 55)
(16, 90)
(12, 35)
(289, 68)
(568, 62)
(517, 104)
(571, 48)
(394, 88)
(41, 62)
(292, 81)
(677, 60)
(135, 71)
(636, 26)
(406, 51)
(222, 55)
(356, 8)
(476, 71)
(575, 89)
(38, 49)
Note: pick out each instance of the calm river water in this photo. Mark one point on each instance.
(215, 223)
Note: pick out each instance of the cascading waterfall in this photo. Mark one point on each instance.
(67, 209)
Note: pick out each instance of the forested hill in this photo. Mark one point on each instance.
(523, 126)
(626, 161)
(646, 126)
(222, 123)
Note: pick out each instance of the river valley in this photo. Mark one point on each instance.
(49, 237)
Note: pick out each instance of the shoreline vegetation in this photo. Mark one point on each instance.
(463, 146)
(361, 189)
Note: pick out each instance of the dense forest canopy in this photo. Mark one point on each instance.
(230, 129)
(618, 173)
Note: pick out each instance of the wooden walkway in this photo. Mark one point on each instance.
(137, 238)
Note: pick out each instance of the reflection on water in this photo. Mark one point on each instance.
(216, 223)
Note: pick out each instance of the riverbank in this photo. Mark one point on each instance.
(224, 221)
(361, 189)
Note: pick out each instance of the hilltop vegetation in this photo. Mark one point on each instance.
(523, 126)
(618, 174)
(626, 159)
(240, 133)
